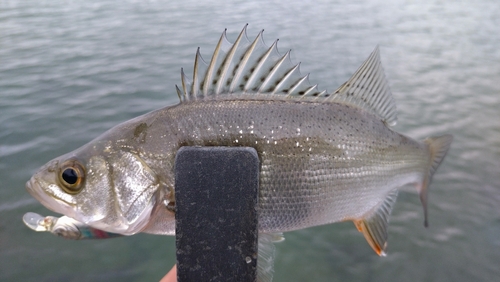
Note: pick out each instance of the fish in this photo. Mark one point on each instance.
(325, 157)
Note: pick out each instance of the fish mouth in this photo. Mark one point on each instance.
(35, 188)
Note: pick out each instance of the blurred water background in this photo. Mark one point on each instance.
(69, 70)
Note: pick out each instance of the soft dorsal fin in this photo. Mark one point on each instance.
(368, 88)
(250, 67)
(245, 67)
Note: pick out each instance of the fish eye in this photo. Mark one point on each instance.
(71, 176)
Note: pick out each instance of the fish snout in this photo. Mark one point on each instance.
(32, 186)
(35, 189)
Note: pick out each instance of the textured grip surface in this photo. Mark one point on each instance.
(216, 196)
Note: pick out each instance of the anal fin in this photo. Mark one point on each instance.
(374, 225)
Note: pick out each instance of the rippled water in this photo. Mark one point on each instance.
(69, 70)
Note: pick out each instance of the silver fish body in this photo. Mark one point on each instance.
(317, 160)
(325, 157)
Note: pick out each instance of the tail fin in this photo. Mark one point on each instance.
(438, 147)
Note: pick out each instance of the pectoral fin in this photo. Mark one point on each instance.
(265, 260)
(374, 224)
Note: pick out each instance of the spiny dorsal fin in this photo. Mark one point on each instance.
(368, 88)
(251, 67)
(374, 225)
(245, 67)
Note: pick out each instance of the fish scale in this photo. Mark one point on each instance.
(292, 177)
(324, 156)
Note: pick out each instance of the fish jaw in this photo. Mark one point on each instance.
(43, 188)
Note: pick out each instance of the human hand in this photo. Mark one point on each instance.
(171, 275)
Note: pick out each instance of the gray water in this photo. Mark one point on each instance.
(69, 70)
